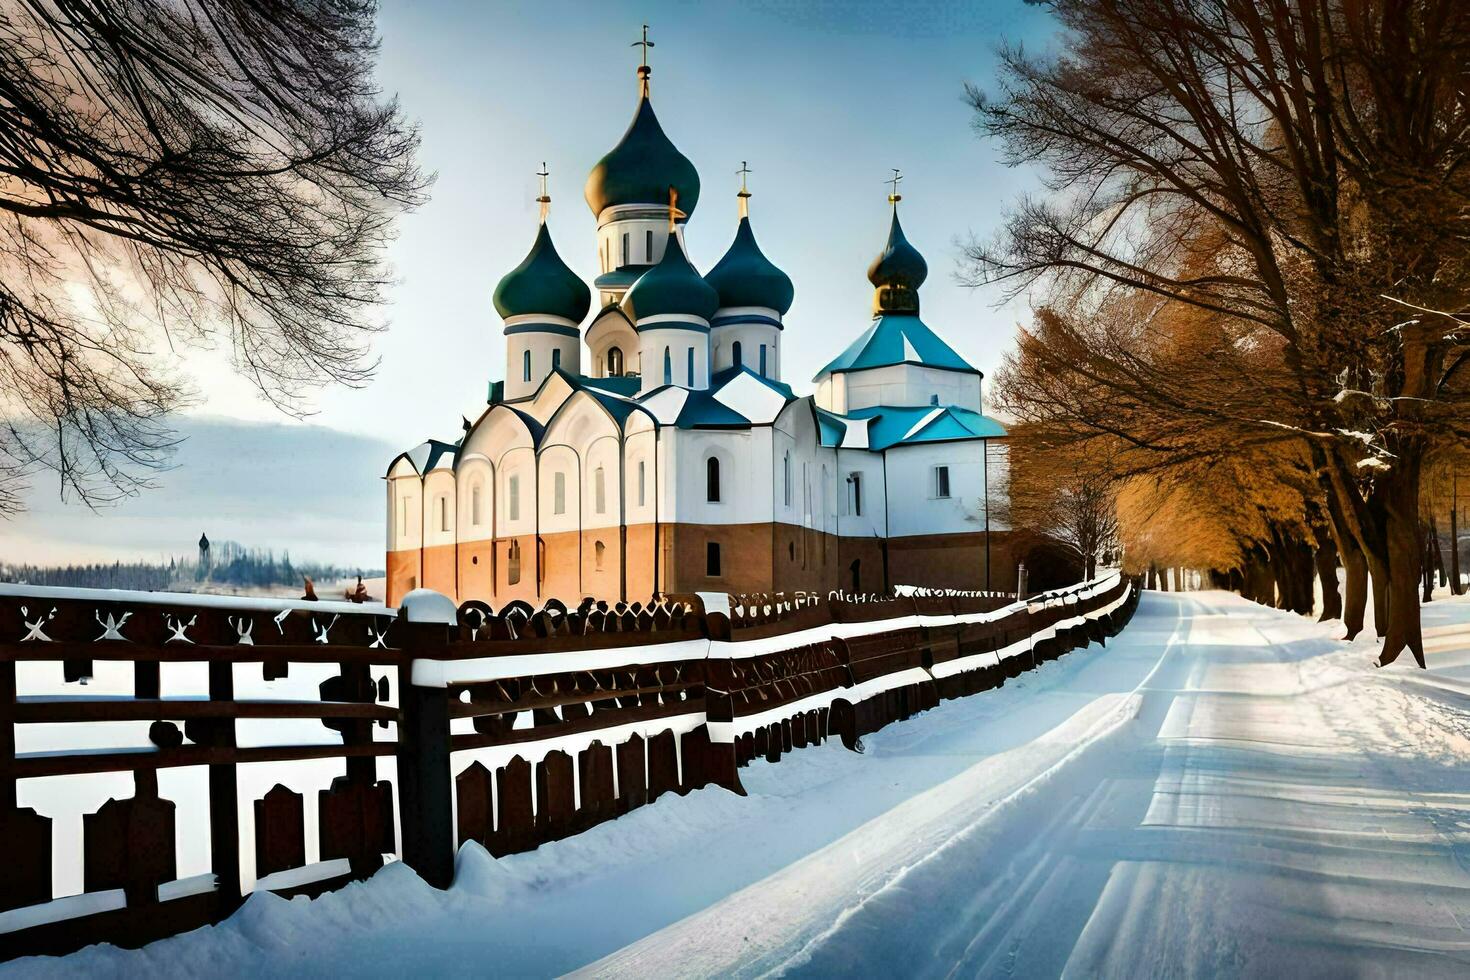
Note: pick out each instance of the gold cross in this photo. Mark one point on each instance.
(545, 199)
(894, 197)
(744, 194)
(744, 169)
(645, 44)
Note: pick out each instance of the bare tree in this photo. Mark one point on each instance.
(199, 172)
(1295, 173)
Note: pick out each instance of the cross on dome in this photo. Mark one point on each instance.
(545, 199)
(643, 70)
(894, 196)
(744, 194)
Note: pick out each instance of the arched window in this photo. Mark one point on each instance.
(641, 482)
(648, 246)
(525, 365)
(614, 362)
(763, 361)
(444, 513)
(691, 367)
(514, 493)
(625, 248)
(712, 479)
(786, 477)
(559, 493)
(735, 353)
(513, 563)
(598, 550)
(668, 367)
(599, 490)
(856, 568)
(475, 504)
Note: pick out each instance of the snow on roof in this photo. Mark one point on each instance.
(757, 398)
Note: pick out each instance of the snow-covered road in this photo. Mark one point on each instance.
(1225, 790)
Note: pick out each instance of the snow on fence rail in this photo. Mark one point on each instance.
(291, 746)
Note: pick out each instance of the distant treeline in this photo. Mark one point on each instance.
(230, 565)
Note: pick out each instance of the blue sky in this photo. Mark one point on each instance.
(822, 99)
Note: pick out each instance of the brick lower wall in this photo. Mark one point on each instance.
(753, 558)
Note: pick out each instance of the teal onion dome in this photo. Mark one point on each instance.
(672, 287)
(642, 168)
(897, 273)
(745, 277)
(543, 284)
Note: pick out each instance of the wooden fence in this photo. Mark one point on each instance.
(512, 728)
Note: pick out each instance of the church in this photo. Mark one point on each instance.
(657, 449)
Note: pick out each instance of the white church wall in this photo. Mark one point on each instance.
(638, 453)
(647, 231)
(831, 393)
(860, 492)
(688, 354)
(405, 509)
(912, 485)
(441, 508)
(744, 465)
(750, 337)
(559, 489)
(909, 384)
(475, 488)
(601, 478)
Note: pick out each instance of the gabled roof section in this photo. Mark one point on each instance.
(897, 338)
(840, 432)
(905, 425)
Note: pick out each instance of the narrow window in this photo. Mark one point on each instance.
(525, 365)
(443, 513)
(691, 367)
(668, 367)
(597, 552)
(941, 481)
(513, 563)
(625, 248)
(786, 477)
(475, 505)
(556, 359)
(614, 362)
(712, 559)
(403, 518)
(559, 493)
(599, 490)
(712, 480)
(857, 494)
(648, 246)
(515, 498)
(640, 482)
(735, 354)
(763, 361)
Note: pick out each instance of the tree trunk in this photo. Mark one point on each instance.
(1426, 573)
(1456, 587)
(1438, 554)
(1397, 499)
(1325, 559)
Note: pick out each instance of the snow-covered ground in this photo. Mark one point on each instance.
(1225, 790)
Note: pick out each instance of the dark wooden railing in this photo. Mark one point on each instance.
(512, 727)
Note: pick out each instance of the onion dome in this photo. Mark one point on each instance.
(745, 277)
(897, 273)
(671, 288)
(542, 284)
(642, 168)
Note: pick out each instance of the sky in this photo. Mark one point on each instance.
(822, 98)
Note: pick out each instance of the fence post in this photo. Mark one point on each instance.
(425, 790)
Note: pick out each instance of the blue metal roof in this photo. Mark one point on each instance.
(723, 377)
(897, 338)
(910, 425)
(830, 428)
